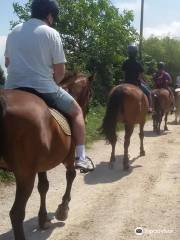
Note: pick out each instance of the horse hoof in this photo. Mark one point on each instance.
(62, 213)
(142, 153)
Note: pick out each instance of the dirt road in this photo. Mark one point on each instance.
(111, 204)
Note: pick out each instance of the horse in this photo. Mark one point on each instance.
(177, 105)
(129, 105)
(162, 105)
(31, 143)
(79, 86)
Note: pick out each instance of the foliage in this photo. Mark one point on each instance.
(95, 37)
(6, 176)
(162, 49)
(94, 120)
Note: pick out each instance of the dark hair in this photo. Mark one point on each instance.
(42, 8)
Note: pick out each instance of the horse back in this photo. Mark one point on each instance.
(134, 104)
(31, 132)
(165, 100)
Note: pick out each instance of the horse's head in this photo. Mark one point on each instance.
(79, 86)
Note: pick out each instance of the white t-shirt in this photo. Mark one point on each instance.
(33, 47)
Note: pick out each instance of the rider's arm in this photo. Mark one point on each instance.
(58, 57)
(59, 71)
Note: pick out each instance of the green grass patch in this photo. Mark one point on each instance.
(6, 176)
(94, 121)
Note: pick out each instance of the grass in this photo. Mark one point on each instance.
(6, 176)
(94, 120)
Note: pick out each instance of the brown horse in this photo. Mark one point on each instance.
(32, 142)
(79, 86)
(162, 105)
(129, 105)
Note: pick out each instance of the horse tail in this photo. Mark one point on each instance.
(114, 107)
(2, 114)
(156, 102)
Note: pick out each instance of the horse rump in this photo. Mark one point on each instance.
(114, 107)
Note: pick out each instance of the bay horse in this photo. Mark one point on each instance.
(129, 105)
(162, 105)
(79, 86)
(32, 143)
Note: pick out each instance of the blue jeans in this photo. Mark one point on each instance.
(147, 91)
(61, 100)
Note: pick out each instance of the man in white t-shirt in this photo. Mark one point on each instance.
(35, 60)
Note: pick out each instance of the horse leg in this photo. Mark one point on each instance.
(141, 136)
(24, 188)
(112, 159)
(128, 132)
(62, 210)
(165, 122)
(43, 186)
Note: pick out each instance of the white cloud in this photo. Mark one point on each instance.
(172, 29)
(2, 49)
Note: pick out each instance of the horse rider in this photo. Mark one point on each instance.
(35, 59)
(162, 79)
(134, 72)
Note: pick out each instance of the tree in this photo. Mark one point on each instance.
(95, 36)
(164, 49)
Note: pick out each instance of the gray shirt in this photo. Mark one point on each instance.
(33, 47)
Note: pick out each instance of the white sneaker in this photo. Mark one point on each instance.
(85, 165)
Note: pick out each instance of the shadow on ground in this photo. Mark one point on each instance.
(103, 174)
(32, 232)
(153, 134)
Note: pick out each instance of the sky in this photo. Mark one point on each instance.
(161, 18)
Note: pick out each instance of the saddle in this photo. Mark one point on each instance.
(61, 120)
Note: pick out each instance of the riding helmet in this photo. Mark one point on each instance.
(42, 8)
(132, 50)
(161, 65)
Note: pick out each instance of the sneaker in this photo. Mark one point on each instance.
(85, 165)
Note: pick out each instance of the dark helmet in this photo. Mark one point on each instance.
(132, 50)
(161, 65)
(42, 8)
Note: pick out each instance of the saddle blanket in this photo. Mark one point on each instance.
(61, 120)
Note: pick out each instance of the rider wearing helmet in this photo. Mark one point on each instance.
(134, 72)
(35, 61)
(162, 79)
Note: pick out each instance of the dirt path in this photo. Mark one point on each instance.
(111, 204)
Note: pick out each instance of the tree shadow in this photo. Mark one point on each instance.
(104, 174)
(32, 231)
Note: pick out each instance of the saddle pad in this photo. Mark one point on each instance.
(61, 120)
(177, 90)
